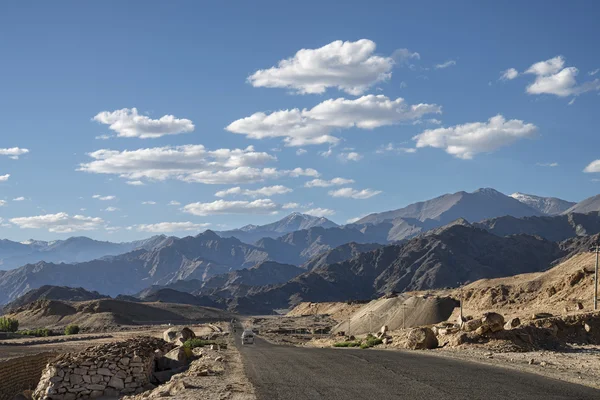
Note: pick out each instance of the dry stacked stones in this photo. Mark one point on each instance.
(111, 370)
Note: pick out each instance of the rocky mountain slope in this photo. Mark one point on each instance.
(293, 222)
(48, 292)
(339, 254)
(74, 249)
(555, 228)
(456, 254)
(585, 206)
(545, 205)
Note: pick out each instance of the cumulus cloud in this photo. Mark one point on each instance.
(465, 141)
(593, 167)
(103, 198)
(2, 203)
(553, 164)
(13, 152)
(135, 183)
(4, 178)
(21, 198)
(174, 203)
(316, 125)
(59, 223)
(551, 77)
(594, 72)
(266, 191)
(349, 66)
(353, 193)
(446, 64)
(190, 163)
(350, 156)
(299, 152)
(320, 212)
(221, 207)
(509, 74)
(150, 202)
(288, 206)
(325, 183)
(128, 123)
(390, 147)
(165, 227)
(111, 209)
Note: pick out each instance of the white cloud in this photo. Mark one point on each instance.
(299, 152)
(128, 123)
(594, 72)
(509, 74)
(13, 152)
(446, 64)
(288, 206)
(165, 227)
(320, 212)
(103, 198)
(553, 164)
(353, 220)
(349, 66)
(327, 153)
(150, 203)
(351, 156)
(390, 147)
(572, 101)
(593, 167)
(465, 141)
(102, 137)
(353, 193)
(325, 183)
(19, 198)
(221, 207)
(190, 163)
(59, 223)
(135, 183)
(266, 191)
(111, 209)
(552, 78)
(316, 125)
(4, 178)
(2, 203)
(174, 203)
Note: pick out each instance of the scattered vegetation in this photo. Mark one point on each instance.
(72, 330)
(8, 324)
(346, 344)
(40, 332)
(196, 342)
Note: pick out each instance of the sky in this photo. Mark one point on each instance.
(120, 120)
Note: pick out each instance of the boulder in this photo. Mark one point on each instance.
(471, 325)
(174, 359)
(172, 335)
(384, 329)
(493, 321)
(512, 323)
(541, 315)
(421, 338)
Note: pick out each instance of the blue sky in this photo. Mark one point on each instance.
(67, 68)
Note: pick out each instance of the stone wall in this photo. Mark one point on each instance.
(22, 373)
(110, 370)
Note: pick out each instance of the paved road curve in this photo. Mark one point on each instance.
(292, 373)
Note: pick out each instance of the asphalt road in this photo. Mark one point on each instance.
(293, 373)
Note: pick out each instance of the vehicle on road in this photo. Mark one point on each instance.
(248, 337)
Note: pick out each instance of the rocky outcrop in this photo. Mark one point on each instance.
(111, 369)
(421, 338)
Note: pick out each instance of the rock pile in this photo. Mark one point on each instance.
(109, 370)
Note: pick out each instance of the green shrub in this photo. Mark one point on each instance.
(370, 342)
(196, 342)
(346, 344)
(8, 324)
(72, 330)
(41, 332)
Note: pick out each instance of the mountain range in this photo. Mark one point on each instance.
(217, 257)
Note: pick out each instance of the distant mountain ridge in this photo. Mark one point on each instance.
(73, 249)
(545, 205)
(585, 206)
(293, 222)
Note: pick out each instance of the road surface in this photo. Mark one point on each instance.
(294, 373)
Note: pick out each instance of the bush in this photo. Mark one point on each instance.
(72, 330)
(196, 342)
(8, 324)
(346, 344)
(41, 332)
(370, 342)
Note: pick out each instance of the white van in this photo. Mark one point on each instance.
(248, 337)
